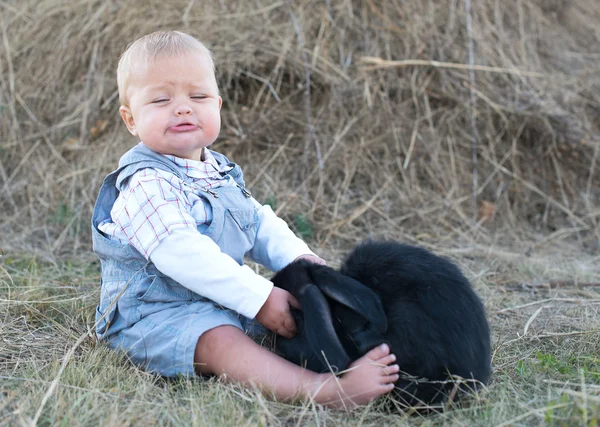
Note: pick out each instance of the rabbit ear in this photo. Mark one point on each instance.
(297, 349)
(319, 330)
(293, 278)
(351, 293)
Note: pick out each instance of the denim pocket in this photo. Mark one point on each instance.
(156, 289)
(110, 294)
(103, 320)
(244, 218)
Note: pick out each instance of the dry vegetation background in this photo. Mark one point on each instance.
(365, 150)
(346, 143)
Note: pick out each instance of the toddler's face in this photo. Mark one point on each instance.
(174, 105)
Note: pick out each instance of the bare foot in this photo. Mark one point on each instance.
(365, 379)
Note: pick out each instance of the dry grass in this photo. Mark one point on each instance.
(369, 148)
(380, 143)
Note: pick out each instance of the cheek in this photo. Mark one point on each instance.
(151, 121)
(218, 121)
(214, 125)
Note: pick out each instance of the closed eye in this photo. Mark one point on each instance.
(159, 100)
(199, 97)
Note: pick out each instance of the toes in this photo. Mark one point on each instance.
(392, 369)
(390, 379)
(378, 352)
(386, 360)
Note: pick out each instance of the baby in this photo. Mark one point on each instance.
(171, 227)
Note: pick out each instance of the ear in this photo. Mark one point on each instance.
(319, 331)
(318, 327)
(352, 294)
(220, 103)
(293, 278)
(297, 349)
(127, 117)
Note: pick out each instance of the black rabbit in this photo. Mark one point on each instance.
(418, 303)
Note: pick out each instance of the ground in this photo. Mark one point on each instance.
(542, 307)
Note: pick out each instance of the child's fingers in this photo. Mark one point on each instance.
(285, 333)
(312, 258)
(292, 301)
(289, 324)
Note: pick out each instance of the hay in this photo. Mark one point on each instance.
(370, 148)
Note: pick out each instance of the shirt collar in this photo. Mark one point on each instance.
(207, 168)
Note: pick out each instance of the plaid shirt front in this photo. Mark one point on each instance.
(153, 203)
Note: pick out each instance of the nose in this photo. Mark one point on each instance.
(182, 109)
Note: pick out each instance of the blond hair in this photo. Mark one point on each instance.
(151, 47)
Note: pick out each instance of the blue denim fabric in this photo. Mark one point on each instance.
(153, 318)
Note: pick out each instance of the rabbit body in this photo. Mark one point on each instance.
(418, 303)
(437, 324)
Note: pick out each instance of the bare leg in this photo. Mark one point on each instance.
(228, 353)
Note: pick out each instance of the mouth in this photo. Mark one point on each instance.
(183, 127)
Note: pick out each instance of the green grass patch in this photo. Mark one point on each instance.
(303, 226)
(271, 201)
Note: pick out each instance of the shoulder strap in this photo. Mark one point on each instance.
(141, 157)
(236, 172)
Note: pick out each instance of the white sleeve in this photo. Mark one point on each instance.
(196, 262)
(276, 245)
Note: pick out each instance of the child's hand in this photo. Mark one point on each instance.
(312, 258)
(275, 313)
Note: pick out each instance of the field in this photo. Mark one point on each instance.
(469, 128)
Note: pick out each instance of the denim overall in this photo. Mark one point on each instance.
(153, 318)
